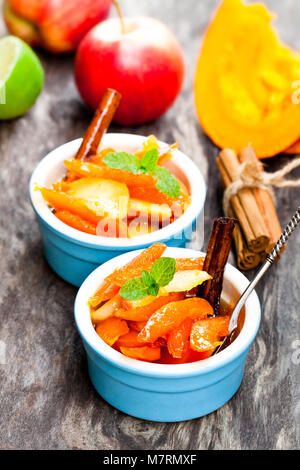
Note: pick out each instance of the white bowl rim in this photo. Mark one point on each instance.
(67, 150)
(239, 346)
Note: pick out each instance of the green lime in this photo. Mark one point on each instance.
(21, 77)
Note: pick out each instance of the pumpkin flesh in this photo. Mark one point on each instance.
(244, 80)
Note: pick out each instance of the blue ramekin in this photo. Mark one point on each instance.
(160, 392)
(73, 254)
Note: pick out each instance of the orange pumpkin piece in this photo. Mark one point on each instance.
(170, 316)
(140, 314)
(61, 186)
(62, 201)
(186, 264)
(97, 159)
(137, 325)
(111, 329)
(293, 149)
(178, 339)
(135, 267)
(70, 177)
(188, 356)
(206, 333)
(143, 353)
(77, 222)
(157, 197)
(105, 292)
(149, 144)
(87, 169)
(244, 80)
(165, 154)
(130, 340)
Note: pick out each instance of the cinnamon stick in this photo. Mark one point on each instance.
(246, 259)
(248, 205)
(99, 124)
(264, 201)
(215, 260)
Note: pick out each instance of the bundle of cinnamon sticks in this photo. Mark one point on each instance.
(258, 226)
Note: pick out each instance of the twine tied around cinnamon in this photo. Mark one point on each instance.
(250, 175)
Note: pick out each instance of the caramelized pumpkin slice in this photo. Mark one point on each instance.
(106, 198)
(172, 315)
(149, 144)
(143, 313)
(93, 170)
(63, 201)
(183, 264)
(111, 329)
(137, 325)
(243, 82)
(206, 333)
(135, 267)
(293, 149)
(155, 196)
(130, 340)
(143, 353)
(178, 339)
(75, 221)
(105, 292)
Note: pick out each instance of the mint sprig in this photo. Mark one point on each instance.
(161, 273)
(166, 182)
(123, 161)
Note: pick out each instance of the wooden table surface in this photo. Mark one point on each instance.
(46, 399)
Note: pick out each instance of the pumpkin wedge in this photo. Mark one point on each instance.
(245, 82)
(293, 149)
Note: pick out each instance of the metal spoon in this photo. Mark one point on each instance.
(269, 261)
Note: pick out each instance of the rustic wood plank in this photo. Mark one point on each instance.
(46, 399)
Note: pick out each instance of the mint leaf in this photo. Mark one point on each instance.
(147, 279)
(153, 290)
(123, 161)
(134, 289)
(149, 160)
(163, 270)
(166, 182)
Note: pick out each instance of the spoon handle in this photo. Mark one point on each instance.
(271, 258)
(284, 236)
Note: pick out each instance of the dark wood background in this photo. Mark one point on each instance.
(46, 399)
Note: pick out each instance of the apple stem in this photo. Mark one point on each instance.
(117, 6)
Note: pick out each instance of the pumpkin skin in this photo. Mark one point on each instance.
(293, 149)
(245, 81)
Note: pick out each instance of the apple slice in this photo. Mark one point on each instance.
(137, 206)
(184, 281)
(106, 198)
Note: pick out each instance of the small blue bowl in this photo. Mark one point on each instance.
(73, 254)
(166, 392)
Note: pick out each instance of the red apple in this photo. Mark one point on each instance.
(56, 25)
(145, 64)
